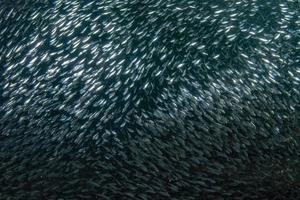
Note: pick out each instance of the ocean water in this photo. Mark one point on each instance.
(149, 99)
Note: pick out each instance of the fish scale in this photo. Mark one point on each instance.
(149, 99)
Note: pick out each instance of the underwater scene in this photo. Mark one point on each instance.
(150, 99)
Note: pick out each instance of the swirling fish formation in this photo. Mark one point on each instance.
(149, 99)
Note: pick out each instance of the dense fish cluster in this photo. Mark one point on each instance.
(149, 99)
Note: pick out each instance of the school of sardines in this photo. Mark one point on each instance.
(149, 99)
